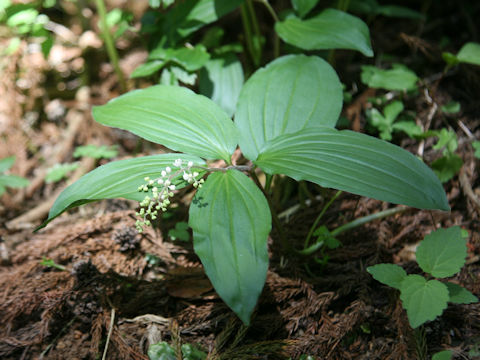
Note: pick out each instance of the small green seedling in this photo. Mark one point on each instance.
(96, 152)
(442, 355)
(441, 254)
(386, 123)
(163, 351)
(447, 166)
(11, 181)
(468, 54)
(51, 264)
(59, 172)
(452, 107)
(476, 147)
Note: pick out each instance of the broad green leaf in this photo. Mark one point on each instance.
(398, 78)
(442, 355)
(6, 163)
(424, 300)
(460, 295)
(289, 94)
(356, 163)
(175, 117)
(2, 189)
(331, 29)
(470, 53)
(303, 7)
(13, 181)
(147, 69)
(118, 179)
(442, 253)
(221, 80)
(231, 220)
(446, 167)
(388, 274)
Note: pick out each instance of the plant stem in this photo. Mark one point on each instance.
(109, 44)
(276, 39)
(248, 35)
(315, 223)
(268, 182)
(276, 221)
(270, 9)
(256, 40)
(353, 224)
(368, 218)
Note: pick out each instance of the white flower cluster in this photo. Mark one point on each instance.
(162, 190)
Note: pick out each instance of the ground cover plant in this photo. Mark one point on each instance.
(220, 180)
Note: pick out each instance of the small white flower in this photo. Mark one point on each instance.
(160, 182)
(167, 182)
(190, 164)
(195, 174)
(172, 187)
(177, 163)
(185, 176)
(168, 169)
(164, 173)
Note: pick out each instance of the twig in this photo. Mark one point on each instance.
(430, 115)
(467, 189)
(110, 330)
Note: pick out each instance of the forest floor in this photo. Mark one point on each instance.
(112, 286)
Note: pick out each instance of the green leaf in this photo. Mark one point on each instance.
(476, 146)
(180, 232)
(424, 300)
(190, 58)
(446, 167)
(161, 351)
(385, 123)
(446, 139)
(303, 7)
(175, 117)
(398, 78)
(59, 172)
(147, 69)
(6, 163)
(13, 181)
(442, 253)
(118, 179)
(442, 355)
(231, 221)
(460, 295)
(388, 274)
(221, 80)
(408, 127)
(356, 163)
(451, 107)
(372, 7)
(470, 53)
(289, 94)
(96, 152)
(331, 29)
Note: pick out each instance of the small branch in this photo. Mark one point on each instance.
(110, 330)
(467, 189)
(431, 114)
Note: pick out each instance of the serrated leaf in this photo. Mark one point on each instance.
(423, 300)
(460, 295)
(221, 80)
(118, 179)
(231, 220)
(175, 117)
(470, 53)
(303, 7)
(289, 94)
(388, 274)
(331, 29)
(408, 127)
(398, 78)
(442, 355)
(6, 163)
(356, 163)
(442, 253)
